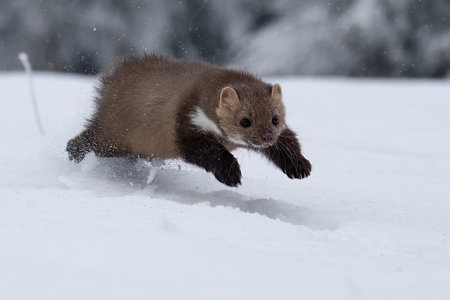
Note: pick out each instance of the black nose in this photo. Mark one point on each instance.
(267, 136)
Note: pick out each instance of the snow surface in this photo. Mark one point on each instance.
(371, 222)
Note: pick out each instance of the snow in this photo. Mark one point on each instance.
(371, 222)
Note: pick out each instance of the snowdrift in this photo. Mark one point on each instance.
(371, 222)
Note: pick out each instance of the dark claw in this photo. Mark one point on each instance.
(299, 170)
(229, 174)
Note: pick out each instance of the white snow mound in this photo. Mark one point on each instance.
(371, 222)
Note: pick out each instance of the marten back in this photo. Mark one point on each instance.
(139, 100)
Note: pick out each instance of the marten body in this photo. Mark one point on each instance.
(155, 107)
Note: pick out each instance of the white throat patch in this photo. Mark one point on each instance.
(203, 123)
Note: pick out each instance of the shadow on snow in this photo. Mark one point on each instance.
(170, 183)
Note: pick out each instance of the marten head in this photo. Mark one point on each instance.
(251, 116)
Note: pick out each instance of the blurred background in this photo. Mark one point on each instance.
(389, 38)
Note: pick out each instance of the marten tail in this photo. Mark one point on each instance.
(79, 146)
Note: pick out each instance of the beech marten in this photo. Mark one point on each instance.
(155, 107)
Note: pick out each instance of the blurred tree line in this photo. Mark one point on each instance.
(285, 37)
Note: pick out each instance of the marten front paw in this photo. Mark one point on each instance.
(229, 173)
(300, 170)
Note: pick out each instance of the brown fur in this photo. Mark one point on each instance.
(145, 106)
(259, 104)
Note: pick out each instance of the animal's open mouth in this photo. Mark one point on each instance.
(240, 141)
(261, 146)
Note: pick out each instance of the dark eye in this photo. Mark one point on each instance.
(275, 120)
(246, 122)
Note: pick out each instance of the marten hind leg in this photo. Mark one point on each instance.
(88, 141)
(79, 146)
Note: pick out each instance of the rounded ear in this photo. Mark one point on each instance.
(276, 92)
(228, 98)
